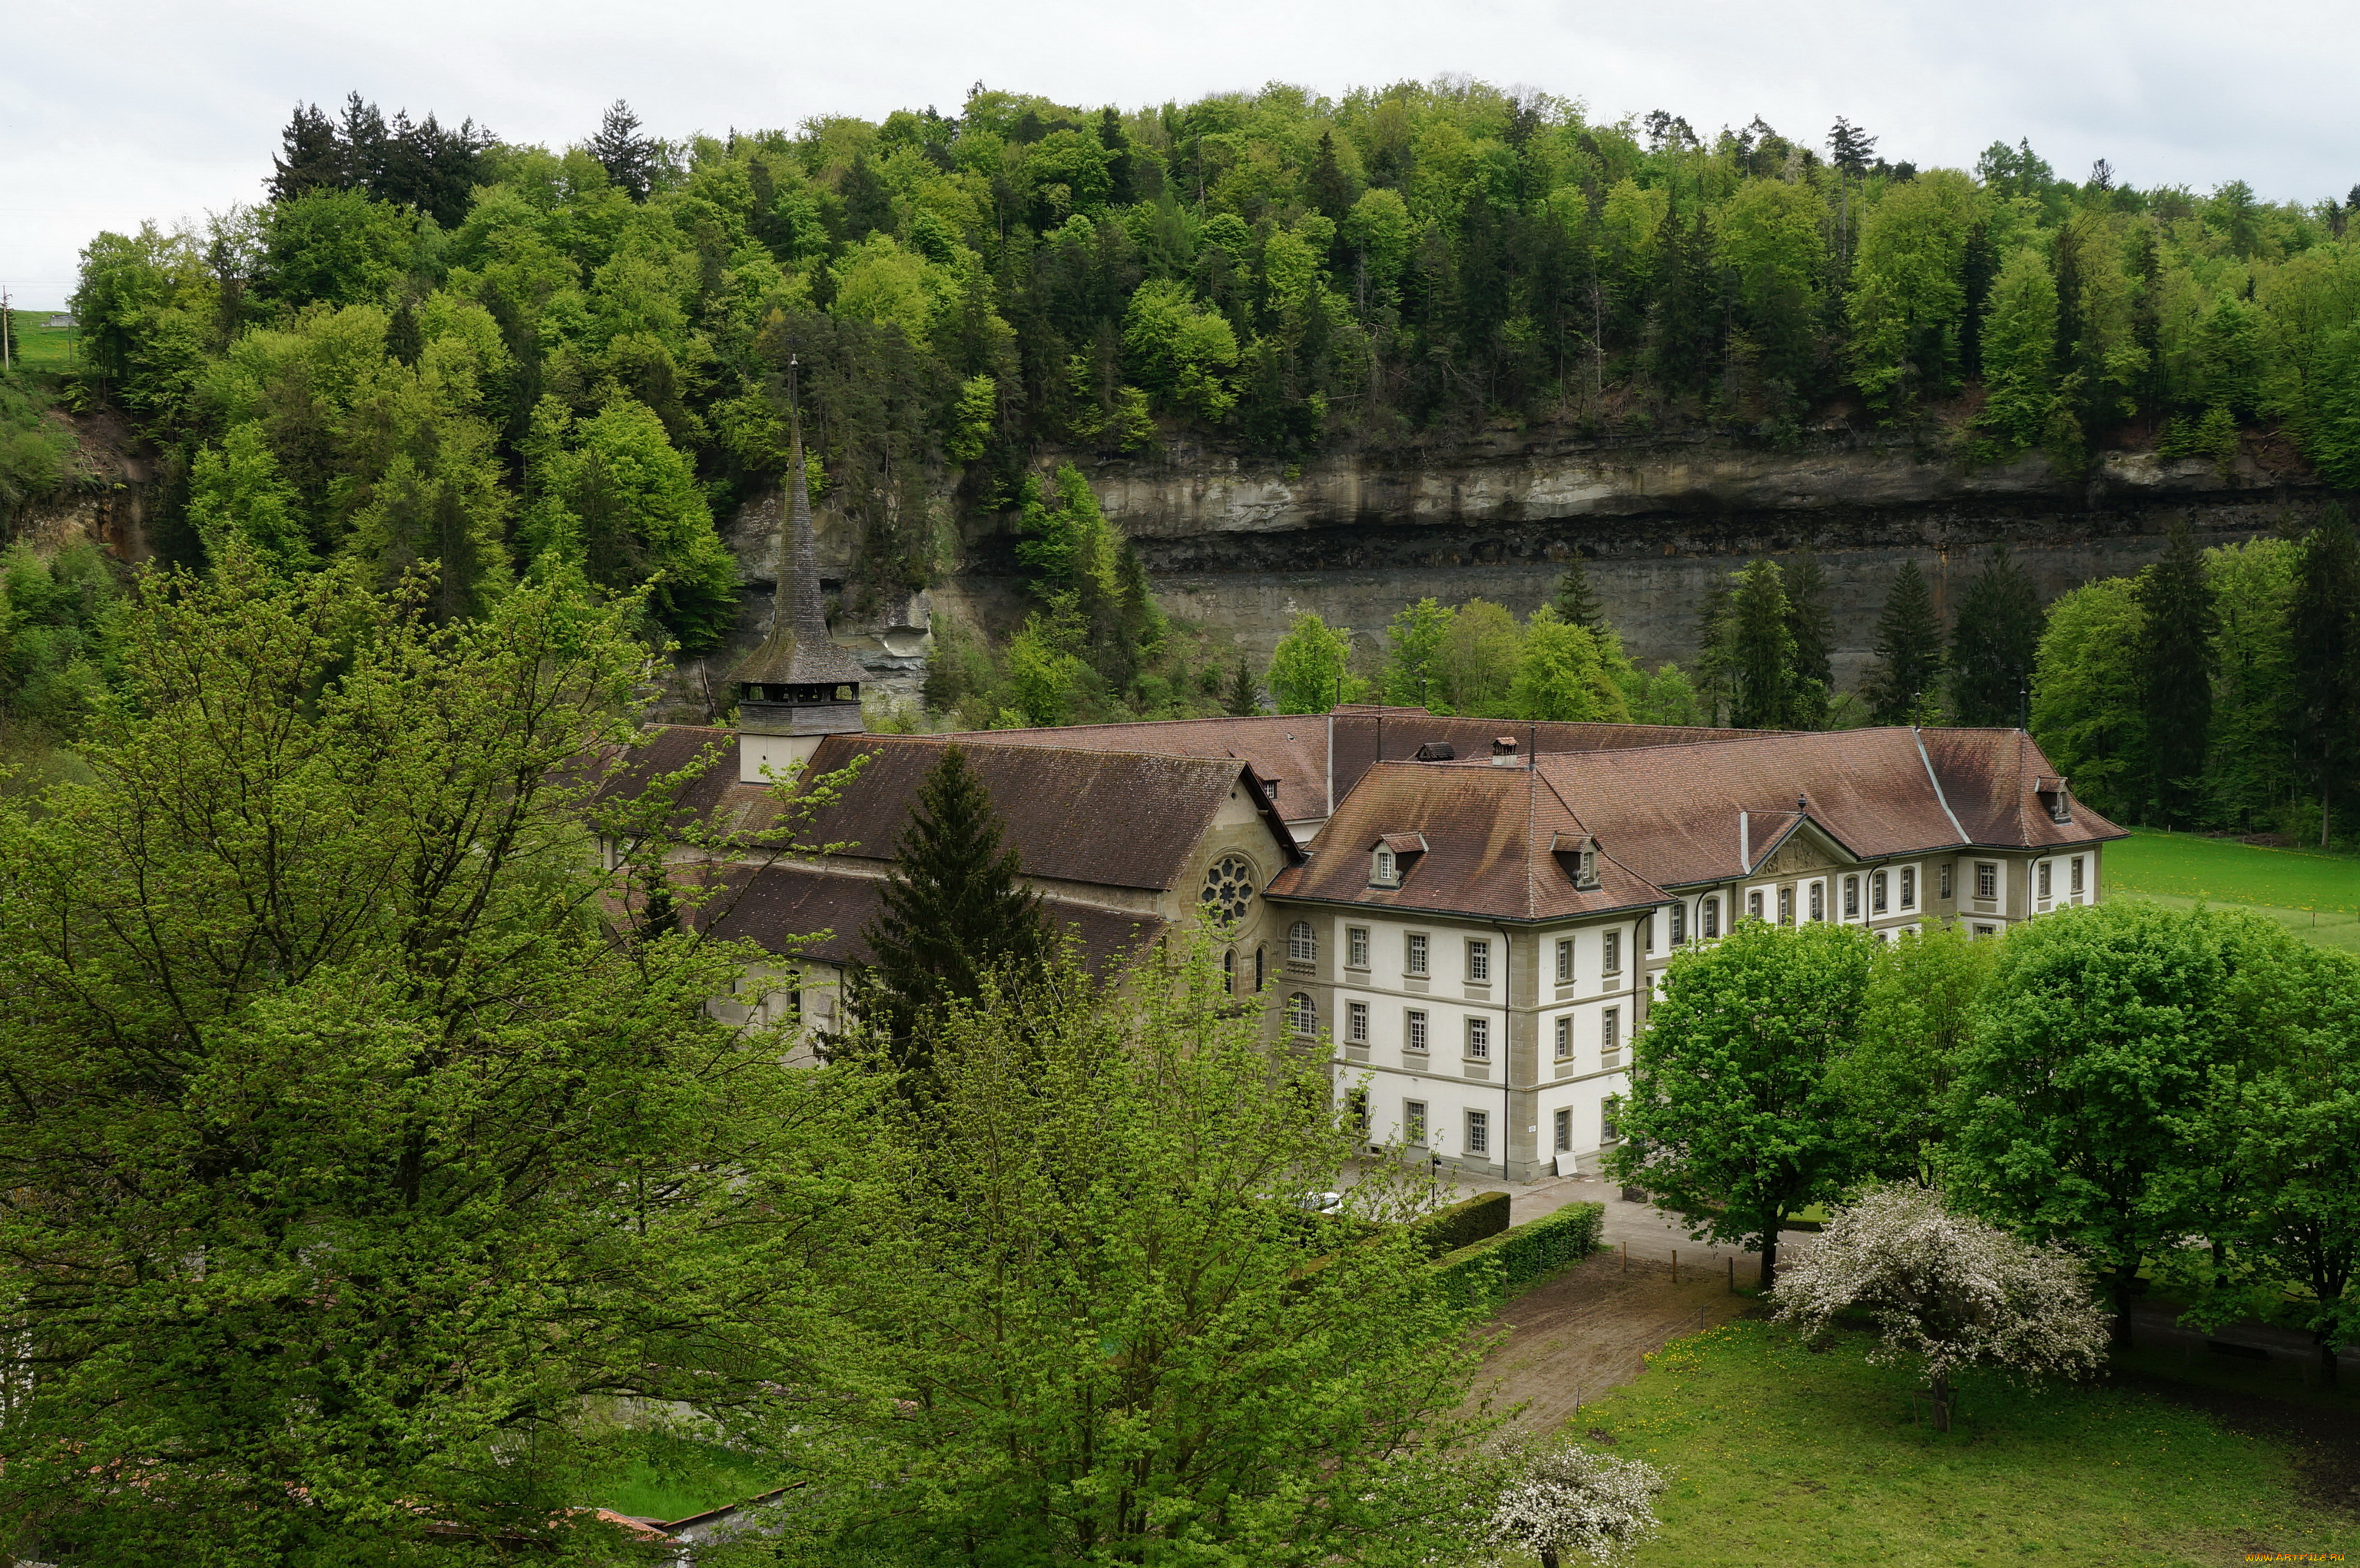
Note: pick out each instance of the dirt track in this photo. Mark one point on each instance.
(1584, 1332)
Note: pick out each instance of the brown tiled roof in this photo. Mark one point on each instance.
(714, 795)
(779, 906)
(1294, 748)
(1491, 836)
(1671, 813)
(1118, 819)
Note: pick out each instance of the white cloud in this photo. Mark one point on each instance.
(148, 109)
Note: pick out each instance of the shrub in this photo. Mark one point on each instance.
(1463, 1224)
(1504, 1265)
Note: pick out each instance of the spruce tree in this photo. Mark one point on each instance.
(628, 158)
(310, 155)
(1577, 602)
(1244, 699)
(1992, 645)
(2326, 658)
(1908, 650)
(2176, 672)
(1762, 650)
(955, 913)
(1813, 630)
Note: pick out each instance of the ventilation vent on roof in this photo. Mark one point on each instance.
(1437, 751)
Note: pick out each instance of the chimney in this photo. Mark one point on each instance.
(1503, 752)
(798, 687)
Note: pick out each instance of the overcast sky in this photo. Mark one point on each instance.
(110, 113)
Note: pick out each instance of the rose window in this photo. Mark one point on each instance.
(1228, 888)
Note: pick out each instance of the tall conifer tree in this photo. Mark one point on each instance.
(1809, 624)
(1908, 650)
(2176, 672)
(1993, 646)
(2326, 637)
(1577, 602)
(955, 913)
(1762, 649)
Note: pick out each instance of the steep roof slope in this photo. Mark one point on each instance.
(781, 907)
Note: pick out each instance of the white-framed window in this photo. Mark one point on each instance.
(1565, 1130)
(1381, 867)
(2074, 880)
(1355, 1023)
(1679, 924)
(1909, 887)
(1753, 904)
(1356, 947)
(1819, 901)
(1565, 961)
(1610, 1031)
(1610, 953)
(1479, 1039)
(1478, 961)
(1986, 879)
(1786, 906)
(1647, 932)
(1414, 1120)
(1414, 951)
(1852, 898)
(2042, 873)
(1565, 1038)
(1302, 947)
(1301, 1016)
(1708, 917)
(1414, 1030)
(1879, 884)
(1609, 1129)
(1986, 930)
(1479, 1132)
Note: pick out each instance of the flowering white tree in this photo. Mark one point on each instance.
(1948, 1292)
(1571, 1500)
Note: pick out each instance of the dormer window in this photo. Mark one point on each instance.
(1578, 855)
(1389, 857)
(2057, 793)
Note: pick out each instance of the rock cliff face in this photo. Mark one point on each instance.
(1242, 545)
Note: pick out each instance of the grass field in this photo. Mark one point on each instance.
(2315, 895)
(679, 1478)
(1783, 1456)
(43, 348)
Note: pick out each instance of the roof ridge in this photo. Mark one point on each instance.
(1940, 798)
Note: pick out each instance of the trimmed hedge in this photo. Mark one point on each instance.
(1463, 1224)
(1505, 1264)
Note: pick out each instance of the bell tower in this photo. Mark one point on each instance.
(798, 686)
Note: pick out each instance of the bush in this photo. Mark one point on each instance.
(1463, 1224)
(1504, 1265)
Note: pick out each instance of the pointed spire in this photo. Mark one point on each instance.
(797, 652)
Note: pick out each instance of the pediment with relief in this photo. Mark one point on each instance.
(1804, 853)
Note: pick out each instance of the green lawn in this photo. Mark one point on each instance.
(2316, 895)
(42, 347)
(1783, 1456)
(676, 1477)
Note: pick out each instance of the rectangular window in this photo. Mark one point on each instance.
(1356, 1106)
(1647, 933)
(1356, 947)
(2043, 875)
(1565, 1038)
(1612, 963)
(1753, 904)
(1786, 906)
(1609, 1030)
(1679, 924)
(1479, 1039)
(1608, 1132)
(1414, 1030)
(1414, 957)
(1565, 962)
(1852, 898)
(1478, 961)
(2076, 874)
(1479, 1132)
(1355, 1023)
(1414, 1120)
(1565, 1130)
(1909, 887)
(1878, 885)
(1708, 917)
(1986, 930)
(1819, 901)
(1945, 881)
(1987, 879)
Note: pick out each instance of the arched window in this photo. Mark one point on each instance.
(1259, 953)
(1301, 1017)
(1302, 947)
(1229, 972)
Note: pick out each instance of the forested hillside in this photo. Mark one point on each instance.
(428, 343)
